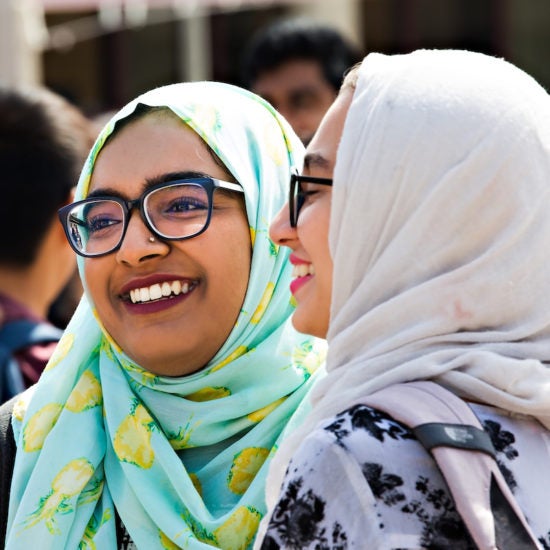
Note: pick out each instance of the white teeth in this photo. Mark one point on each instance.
(144, 295)
(176, 287)
(302, 270)
(157, 291)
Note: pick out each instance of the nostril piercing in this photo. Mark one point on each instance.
(151, 239)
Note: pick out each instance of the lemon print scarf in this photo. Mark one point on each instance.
(182, 460)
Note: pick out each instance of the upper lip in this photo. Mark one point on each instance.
(294, 260)
(157, 278)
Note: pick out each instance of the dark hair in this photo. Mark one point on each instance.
(299, 38)
(44, 141)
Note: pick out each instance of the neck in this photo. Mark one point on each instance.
(37, 285)
(24, 286)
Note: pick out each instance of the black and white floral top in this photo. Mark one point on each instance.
(362, 481)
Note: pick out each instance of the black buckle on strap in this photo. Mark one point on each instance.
(459, 436)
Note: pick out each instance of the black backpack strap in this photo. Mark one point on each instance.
(7, 460)
(16, 335)
(22, 333)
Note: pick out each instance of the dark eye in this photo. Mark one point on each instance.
(185, 204)
(304, 195)
(99, 223)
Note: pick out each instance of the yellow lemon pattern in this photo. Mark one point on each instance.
(245, 467)
(273, 248)
(252, 236)
(61, 350)
(205, 117)
(241, 350)
(39, 426)
(86, 182)
(68, 483)
(264, 302)
(92, 528)
(166, 542)
(273, 146)
(147, 377)
(260, 414)
(20, 408)
(239, 530)
(209, 394)
(196, 483)
(86, 394)
(181, 439)
(132, 441)
(308, 357)
(201, 533)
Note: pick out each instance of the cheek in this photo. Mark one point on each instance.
(240, 256)
(95, 280)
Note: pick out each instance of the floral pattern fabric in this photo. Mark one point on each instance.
(361, 480)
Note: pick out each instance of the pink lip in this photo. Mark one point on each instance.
(294, 260)
(162, 304)
(298, 283)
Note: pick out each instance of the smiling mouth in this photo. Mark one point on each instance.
(159, 291)
(302, 270)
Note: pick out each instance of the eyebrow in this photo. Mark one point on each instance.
(312, 160)
(149, 182)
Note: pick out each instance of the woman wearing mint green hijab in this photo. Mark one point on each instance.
(154, 422)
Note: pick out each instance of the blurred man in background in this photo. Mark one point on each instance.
(44, 141)
(298, 65)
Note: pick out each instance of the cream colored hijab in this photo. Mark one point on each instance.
(440, 235)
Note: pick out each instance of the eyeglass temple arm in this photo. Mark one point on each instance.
(76, 221)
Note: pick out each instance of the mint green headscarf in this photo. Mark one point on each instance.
(183, 459)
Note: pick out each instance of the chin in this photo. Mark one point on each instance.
(310, 324)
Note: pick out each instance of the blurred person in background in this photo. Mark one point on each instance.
(43, 143)
(298, 66)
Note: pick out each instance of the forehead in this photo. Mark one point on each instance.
(290, 76)
(321, 151)
(147, 148)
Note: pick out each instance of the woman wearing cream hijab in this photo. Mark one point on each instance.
(435, 269)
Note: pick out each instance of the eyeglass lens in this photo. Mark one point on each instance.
(177, 211)
(296, 201)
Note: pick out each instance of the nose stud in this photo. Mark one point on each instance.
(151, 239)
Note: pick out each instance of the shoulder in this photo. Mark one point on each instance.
(7, 459)
(6, 433)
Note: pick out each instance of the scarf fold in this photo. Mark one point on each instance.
(439, 234)
(182, 459)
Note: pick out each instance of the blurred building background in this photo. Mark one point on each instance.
(101, 53)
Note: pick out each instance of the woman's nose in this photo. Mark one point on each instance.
(139, 244)
(280, 230)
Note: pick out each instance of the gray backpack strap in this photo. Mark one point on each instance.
(450, 430)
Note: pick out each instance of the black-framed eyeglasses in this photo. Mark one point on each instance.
(174, 210)
(297, 195)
